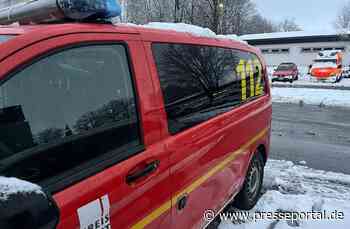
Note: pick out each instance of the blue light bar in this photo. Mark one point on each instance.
(89, 9)
(41, 11)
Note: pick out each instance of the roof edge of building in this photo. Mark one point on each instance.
(301, 39)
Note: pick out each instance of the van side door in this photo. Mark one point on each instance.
(212, 130)
(83, 128)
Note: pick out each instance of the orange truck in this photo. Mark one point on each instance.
(328, 66)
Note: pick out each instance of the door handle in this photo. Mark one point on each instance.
(181, 202)
(147, 170)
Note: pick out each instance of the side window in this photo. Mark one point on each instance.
(66, 110)
(183, 73)
(201, 82)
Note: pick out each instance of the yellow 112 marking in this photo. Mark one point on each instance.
(242, 73)
(246, 68)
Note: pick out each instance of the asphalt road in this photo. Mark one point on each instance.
(318, 136)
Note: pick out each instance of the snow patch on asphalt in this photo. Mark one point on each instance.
(288, 178)
(296, 188)
(12, 186)
(307, 80)
(327, 97)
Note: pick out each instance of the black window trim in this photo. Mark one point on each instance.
(229, 109)
(102, 162)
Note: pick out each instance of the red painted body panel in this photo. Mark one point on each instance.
(196, 151)
(183, 158)
(324, 73)
(128, 203)
(205, 146)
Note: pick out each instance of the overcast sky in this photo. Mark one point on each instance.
(311, 15)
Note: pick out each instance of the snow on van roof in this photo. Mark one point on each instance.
(182, 27)
(187, 28)
(11, 186)
(262, 36)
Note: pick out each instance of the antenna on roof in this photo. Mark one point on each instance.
(43, 11)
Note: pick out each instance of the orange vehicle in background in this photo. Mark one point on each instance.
(328, 66)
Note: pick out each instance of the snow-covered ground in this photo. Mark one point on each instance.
(326, 97)
(307, 80)
(297, 188)
(312, 82)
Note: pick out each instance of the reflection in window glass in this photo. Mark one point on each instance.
(201, 82)
(69, 108)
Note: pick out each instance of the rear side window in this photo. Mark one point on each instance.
(67, 110)
(201, 82)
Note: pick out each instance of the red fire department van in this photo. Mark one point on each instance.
(128, 127)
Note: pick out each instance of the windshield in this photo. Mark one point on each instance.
(285, 67)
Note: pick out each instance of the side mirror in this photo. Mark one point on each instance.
(26, 205)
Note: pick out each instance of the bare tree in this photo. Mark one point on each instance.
(221, 16)
(259, 24)
(242, 12)
(342, 23)
(136, 11)
(288, 25)
(224, 16)
(208, 14)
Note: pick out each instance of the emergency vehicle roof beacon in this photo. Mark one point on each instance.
(41, 11)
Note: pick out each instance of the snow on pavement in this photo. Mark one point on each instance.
(297, 188)
(311, 82)
(326, 97)
(307, 80)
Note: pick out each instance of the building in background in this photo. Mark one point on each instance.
(298, 47)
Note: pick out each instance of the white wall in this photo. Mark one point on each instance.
(301, 58)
